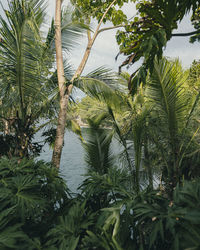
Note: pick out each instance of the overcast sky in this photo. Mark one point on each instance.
(105, 48)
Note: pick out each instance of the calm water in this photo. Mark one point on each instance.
(73, 166)
(72, 160)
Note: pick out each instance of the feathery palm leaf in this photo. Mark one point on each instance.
(170, 117)
(166, 92)
(71, 31)
(97, 146)
(20, 52)
(100, 84)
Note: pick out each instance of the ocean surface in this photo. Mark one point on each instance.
(73, 166)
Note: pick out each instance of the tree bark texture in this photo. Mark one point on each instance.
(62, 88)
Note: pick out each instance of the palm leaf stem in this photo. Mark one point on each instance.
(192, 109)
(19, 76)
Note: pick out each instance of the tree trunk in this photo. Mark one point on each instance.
(62, 88)
(64, 98)
(85, 57)
(66, 91)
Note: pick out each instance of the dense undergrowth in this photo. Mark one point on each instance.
(37, 212)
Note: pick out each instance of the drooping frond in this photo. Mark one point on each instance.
(101, 84)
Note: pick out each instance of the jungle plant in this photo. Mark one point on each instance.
(24, 68)
(28, 78)
(170, 224)
(70, 228)
(156, 119)
(148, 33)
(32, 196)
(171, 116)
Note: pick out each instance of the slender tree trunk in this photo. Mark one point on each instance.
(62, 88)
(66, 91)
(85, 57)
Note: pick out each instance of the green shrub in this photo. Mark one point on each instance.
(32, 195)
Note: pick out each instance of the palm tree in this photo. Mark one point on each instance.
(170, 119)
(23, 66)
(156, 122)
(28, 78)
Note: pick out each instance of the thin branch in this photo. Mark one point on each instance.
(99, 25)
(187, 34)
(110, 28)
(88, 49)
(176, 34)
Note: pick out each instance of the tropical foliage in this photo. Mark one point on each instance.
(147, 196)
(147, 34)
(28, 76)
(24, 71)
(32, 196)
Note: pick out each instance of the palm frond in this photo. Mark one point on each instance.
(21, 50)
(71, 30)
(101, 84)
(97, 147)
(167, 93)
